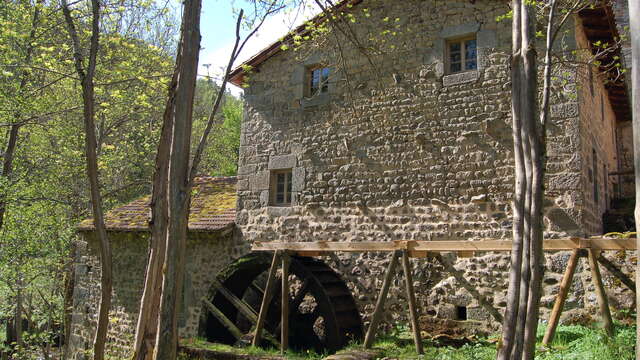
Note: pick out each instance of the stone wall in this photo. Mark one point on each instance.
(598, 143)
(399, 150)
(206, 255)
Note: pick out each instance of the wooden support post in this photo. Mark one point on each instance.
(266, 299)
(377, 312)
(411, 296)
(603, 302)
(284, 324)
(565, 285)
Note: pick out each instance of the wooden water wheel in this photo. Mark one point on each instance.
(322, 312)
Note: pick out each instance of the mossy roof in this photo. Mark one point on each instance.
(213, 202)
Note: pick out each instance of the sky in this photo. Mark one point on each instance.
(217, 26)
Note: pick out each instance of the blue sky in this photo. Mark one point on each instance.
(217, 26)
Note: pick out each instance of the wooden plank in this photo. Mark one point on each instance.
(242, 306)
(266, 299)
(601, 295)
(233, 329)
(284, 322)
(411, 296)
(382, 297)
(466, 254)
(309, 253)
(322, 246)
(443, 245)
(608, 244)
(565, 285)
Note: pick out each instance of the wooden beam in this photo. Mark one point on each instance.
(284, 321)
(266, 298)
(411, 296)
(603, 302)
(382, 297)
(565, 285)
(233, 329)
(444, 245)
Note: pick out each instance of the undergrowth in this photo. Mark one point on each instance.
(575, 342)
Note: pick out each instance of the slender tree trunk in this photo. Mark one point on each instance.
(513, 293)
(178, 193)
(86, 77)
(17, 322)
(521, 318)
(12, 143)
(148, 316)
(634, 14)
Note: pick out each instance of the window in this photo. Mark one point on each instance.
(281, 187)
(462, 55)
(318, 81)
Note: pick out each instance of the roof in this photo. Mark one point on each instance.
(236, 76)
(213, 205)
(600, 25)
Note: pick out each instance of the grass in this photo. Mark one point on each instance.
(573, 342)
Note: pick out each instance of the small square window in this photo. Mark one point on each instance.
(317, 81)
(281, 187)
(462, 55)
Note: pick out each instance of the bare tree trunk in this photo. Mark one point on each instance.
(86, 78)
(513, 293)
(17, 321)
(634, 12)
(178, 192)
(7, 163)
(521, 319)
(148, 316)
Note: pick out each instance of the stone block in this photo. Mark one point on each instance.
(298, 179)
(459, 30)
(260, 181)
(460, 78)
(487, 38)
(278, 162)
(565, 110)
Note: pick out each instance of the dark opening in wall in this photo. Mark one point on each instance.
(461, 312)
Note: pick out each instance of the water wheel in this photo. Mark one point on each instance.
(323, 315)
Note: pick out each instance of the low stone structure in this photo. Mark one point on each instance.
(210, 247)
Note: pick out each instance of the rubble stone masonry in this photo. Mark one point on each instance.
(398, 149)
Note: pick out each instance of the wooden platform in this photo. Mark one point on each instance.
(589, 247)
(423, 248)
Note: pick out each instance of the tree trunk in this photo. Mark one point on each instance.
(7, 163)
(179, 192)
(86, 78)
(17, 321)
(634, 11)
(521, 317)
(148, 315)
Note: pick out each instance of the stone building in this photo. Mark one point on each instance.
(396, 127)
(210, 247)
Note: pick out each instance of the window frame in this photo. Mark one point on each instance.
(463, 53)
(323, 86)
(287, 191)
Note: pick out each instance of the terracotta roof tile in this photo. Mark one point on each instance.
(213, 203)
